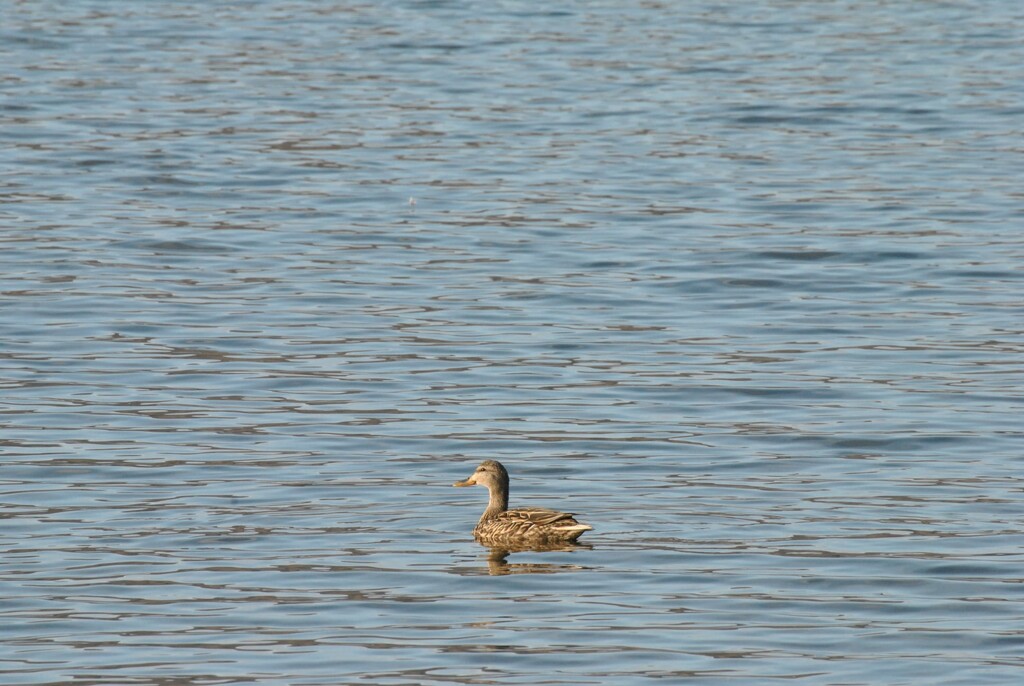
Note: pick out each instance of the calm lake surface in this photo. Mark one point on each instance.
(741, 284)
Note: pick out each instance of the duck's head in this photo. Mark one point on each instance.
(491, 474)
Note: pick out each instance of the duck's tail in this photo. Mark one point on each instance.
(573, 531)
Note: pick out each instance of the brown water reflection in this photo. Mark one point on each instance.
(498, 563)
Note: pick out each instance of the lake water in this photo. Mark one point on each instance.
(741, 284)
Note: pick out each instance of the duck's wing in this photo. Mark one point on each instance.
(523, 519)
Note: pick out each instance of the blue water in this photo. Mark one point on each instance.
(739, 284)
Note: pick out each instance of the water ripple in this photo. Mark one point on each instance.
(740, 285)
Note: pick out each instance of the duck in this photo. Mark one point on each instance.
(523, 526)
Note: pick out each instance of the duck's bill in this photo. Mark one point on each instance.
(467, 482)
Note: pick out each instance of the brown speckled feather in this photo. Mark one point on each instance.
(535, 525)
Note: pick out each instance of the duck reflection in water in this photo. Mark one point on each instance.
(498, 564)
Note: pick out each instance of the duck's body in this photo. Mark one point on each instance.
(525, 526)
(529, 526)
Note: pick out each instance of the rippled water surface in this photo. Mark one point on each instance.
(741, 284)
